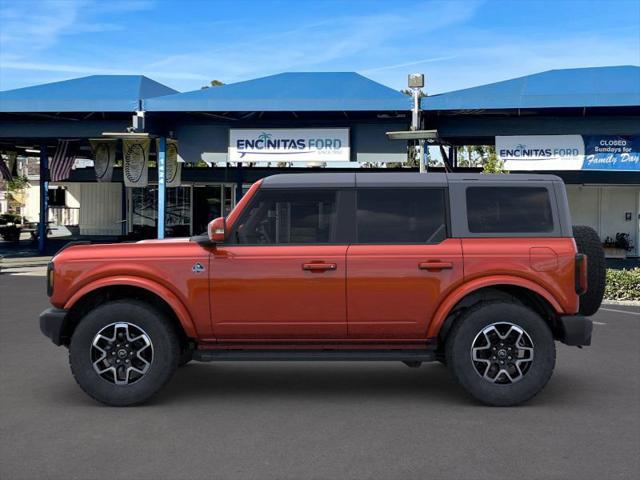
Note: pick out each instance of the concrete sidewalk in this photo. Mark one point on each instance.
(8, 265)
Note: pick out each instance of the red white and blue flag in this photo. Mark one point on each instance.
(62, 160)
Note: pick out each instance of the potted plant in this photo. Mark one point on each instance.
(618, 247)
(11, 222)
(10, 226)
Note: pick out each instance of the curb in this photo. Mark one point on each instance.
(18, 263)
(629, 303)
(23, 265)
(7, 266)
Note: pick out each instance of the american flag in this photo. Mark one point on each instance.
(62, 161)
(5, 173)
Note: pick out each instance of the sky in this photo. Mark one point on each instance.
(185, 44)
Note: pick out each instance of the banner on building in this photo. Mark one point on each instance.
(611, 152)
(173, 163)
(289, 145)
(135, 154)
(104, 158)
(541, 152)
(569, 152)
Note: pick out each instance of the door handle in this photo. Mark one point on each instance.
(435, 265)
(319, 267)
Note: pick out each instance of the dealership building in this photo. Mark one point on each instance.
(211, 144)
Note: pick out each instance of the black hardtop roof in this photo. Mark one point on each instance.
(393, 179)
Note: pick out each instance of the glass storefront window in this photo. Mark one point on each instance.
(144, 212)
(178, 217)
(228, 200)
(189, 209)
(207, 205)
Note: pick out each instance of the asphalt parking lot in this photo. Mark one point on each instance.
(308, 421)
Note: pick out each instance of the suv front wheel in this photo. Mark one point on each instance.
(123, 352)
(501, 353)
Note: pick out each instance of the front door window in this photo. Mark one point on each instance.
(285, 217)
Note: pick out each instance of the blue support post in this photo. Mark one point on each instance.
(44, 199)
(162, 156)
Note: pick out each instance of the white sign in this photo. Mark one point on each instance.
(136, 162)
(289, 145)
(104, 158)
(541, 152)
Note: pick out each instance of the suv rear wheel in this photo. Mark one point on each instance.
(501, 353)
(123, 352)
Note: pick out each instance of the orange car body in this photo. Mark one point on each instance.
(342, 295)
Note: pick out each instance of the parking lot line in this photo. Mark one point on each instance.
(620, 311)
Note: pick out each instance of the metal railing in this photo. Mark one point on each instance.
(64, 215)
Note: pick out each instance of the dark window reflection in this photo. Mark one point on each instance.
(509, 210)
(290, 217)
(394, 215)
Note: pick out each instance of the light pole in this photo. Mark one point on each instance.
(416, 83)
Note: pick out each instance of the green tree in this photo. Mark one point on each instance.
(493, 164)
(213, 83)
(15, 194)
(480, 156)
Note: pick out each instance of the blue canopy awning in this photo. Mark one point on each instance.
(576, 87)
(289, 92)
(96, 93)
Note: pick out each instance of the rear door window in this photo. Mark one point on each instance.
(401, 215)
(509, 210)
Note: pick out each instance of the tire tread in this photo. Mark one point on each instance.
(588, 242)
(173, 340)
(495, 401)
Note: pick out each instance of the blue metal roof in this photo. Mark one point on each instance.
(96, 93)
(576, 87)
(299, 92)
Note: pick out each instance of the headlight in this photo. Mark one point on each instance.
(50, 272)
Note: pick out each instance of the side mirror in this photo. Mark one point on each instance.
(217, 230)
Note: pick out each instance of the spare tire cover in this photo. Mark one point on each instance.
(588, 242)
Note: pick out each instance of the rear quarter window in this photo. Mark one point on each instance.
(509, 210)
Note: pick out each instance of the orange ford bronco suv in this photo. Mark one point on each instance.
(480, 272)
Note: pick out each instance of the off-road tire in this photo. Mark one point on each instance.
(459, 357)
(588, 242)
(165, 344)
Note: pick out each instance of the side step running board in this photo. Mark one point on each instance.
(314, 355)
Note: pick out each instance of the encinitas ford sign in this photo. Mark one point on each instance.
(289, 145)
(569, 152)
(541, 152)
